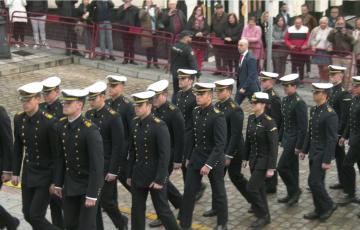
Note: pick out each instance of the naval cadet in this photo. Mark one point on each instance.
(234, 117)
(320, 142)
(53, 106)
(174, 121)
(148, 164)
(185, 100)
(207, 157)
(352, 133)
(34, 137)
(122, 105)
(182, 56)
(260, 150)
(340, 100)
(111, 129)
(273, 109)
(292, 134)
(80, 167)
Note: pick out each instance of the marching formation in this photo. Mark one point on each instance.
(72, 162)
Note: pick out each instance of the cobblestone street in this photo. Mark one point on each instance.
(283, 217)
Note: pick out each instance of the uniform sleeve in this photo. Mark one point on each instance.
(18, 148)
(219, 131)
(306, 145)
(272, 138)
(276, 111)
(60, 161)
(117, 142)
(163, 145)
(178, 124)
(54, 145)
(236, 140)
(302, 121)
(130, 114)
(345, 112)
(96, 162)
(6, 138)
(131, 154)
(331, 138)
(246, 153)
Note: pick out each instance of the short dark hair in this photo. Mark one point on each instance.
(305, 5)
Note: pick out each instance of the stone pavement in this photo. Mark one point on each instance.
(76, 75)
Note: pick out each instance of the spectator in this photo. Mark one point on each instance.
(253, 34)
(321, 46)
(181, 5)
(342, 43)
(18, 19)
(310, 22)
(129, 17)
(200, 28)
(173, 20)
(67, 9)
(86, 18)
(284, 12)
(101, 13)
(334, 14)
(247, 80)
(356, 51)
(217, 28)
(296, 39)
(39, 8)
(264, 25)
(280, 52)
(149, 20)
(231, 36)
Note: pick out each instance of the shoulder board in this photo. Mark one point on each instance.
(216, 110)
(273, 129)
(113, 112)
(172, 107)
(330, 110)
(273, 93)
(87, 123)
(48, 115)
(342, 89)
(126, 100)
(19, 113)
(157, 120)
(268, 117)
(232, 105)
(297, 98)
(62, 118)
(347, 99)
(135, 118)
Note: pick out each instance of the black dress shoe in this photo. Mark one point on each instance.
(210, 213)
(336, 186)
(260, 222)
(221, 227)
(112, 58)
(77, 53)
(271, 190)
(201, 192)
(216, 73)
(147, 66)
(68, 53)
(155, 223)
(103, 58)
(156, 66)
(284, 199)
(133, 63)
(311, 216)
(15, 224)
(125, 62)
(294, 198)
(347, 199)
(326, 215)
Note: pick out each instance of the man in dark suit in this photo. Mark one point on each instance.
(284, 12)
(6, 150)
(246, 76)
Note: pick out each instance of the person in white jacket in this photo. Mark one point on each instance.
(18, 17)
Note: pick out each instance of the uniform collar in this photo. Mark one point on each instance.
(260, 118)
(75, 123)
(337, 87)
(226, 102)
(146, 120)
(100, 111)
(33, 117)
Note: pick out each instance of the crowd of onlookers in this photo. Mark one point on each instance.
(301, 38)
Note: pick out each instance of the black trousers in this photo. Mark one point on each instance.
(339, 159)
(122, 177)
(272, 182)
(128, 44)
(257, 193)
(173, 193)
(151, 53)
(70, 37)
(288, 169)
(19, 31)
(77, 216)
(316, 181)
(351, 158)
(35, 202)
(109, 203)
(161, 205)
(297, 64)
(192, 187)
(6, 220)
(57, 217)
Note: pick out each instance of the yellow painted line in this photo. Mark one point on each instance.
(149, 215)
(153, 216)
(8, 184)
